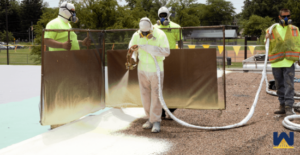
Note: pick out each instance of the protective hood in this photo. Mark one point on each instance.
(64, 10)
(146, 29)
(164, 10)
(145, 25)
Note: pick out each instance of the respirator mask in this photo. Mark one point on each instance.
(285, 20)
(73, 17)
(163, 19)
(147, 34)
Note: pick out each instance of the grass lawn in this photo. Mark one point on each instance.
(18, 57)
(235, 65)
(23, 57)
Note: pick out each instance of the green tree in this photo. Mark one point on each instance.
(185, 14)
(3, 36)
(217, 12)
(96, 14)
(263, 8)
(31, 11)
(125, 19)
(256, 25)
(13, 16)
(294, 6)
(145, 8)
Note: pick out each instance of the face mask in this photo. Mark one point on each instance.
(148, 35)
(163, 21)
(73, 18)
(145, 33)
(285, 21)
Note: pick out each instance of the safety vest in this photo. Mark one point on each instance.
(288, 48)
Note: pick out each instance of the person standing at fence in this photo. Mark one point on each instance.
(150, 42)
(58, 41)
(173, 36)
(284, 51)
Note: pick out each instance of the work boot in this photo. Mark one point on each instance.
(147, 125)
(281, 110)
(289, 111)
(156, 127)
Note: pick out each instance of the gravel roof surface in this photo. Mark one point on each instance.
(254, 138)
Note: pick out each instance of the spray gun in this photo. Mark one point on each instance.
(131, 64)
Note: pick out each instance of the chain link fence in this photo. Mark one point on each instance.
(18, 55)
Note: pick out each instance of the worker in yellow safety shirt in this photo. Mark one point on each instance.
(58, 41)
(283, 52)
(173, 36)
(152, 43)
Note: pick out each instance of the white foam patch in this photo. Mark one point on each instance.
(92, 135)
(19, 83)
(220, 73)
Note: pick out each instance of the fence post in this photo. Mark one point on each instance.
(245, 54)
(27, 58)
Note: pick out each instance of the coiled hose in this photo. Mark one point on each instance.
(286, 123)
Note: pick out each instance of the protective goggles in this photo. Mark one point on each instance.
(288, 16)
(163, 15)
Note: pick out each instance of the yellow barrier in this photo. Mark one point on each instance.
(221, 48)
(192, 46)
(205, 46)
(236, 49)
(252, 48)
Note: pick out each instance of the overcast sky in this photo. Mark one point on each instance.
(236, 3)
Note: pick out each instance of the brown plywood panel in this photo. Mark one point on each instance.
(190, 80)
(72, 85)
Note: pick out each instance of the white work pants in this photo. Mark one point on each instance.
(148, 83)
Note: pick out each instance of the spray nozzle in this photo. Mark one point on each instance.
(131, 64)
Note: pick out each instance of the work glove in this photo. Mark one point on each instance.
(86, 42)
(268, 36)
(67, 45)
(134, 48)
(131, 62)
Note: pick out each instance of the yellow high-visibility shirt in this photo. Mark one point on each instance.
(62, 37)
(146, 62)
(285, 62)
(173, 35)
